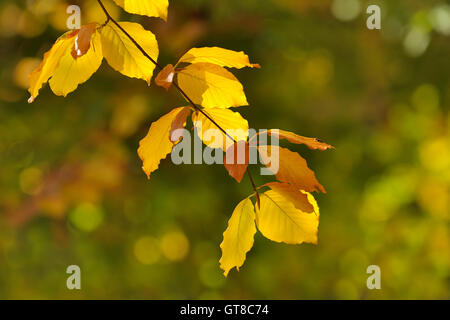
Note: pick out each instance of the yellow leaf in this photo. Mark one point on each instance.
(299, 199)
(219, 56)
(51, 61)
(73, 71)
(232, 122)
(292, 168)
(157, 145)
(211, 86)
(151, 8)
(279, 220)
(239, 236)
(124, 56)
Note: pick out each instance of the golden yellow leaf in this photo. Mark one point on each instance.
(124, 56)
(151, 8)
(50, 62)
(219, 56)
(73, 71)
(312, 143)
(292, 168)
(232, 122)
(279, 220)
(211, 86)
(157, 145)
(299, 199)
(239, 236)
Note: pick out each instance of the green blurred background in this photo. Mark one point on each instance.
(72, 190)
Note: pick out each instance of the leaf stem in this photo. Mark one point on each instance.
(110, 18)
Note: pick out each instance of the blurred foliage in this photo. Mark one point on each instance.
(72, 190)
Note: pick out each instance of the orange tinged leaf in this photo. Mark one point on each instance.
(165, 77)
(179, 122)
(298, 198)
(236, 160)
(293, 169)
(312, 143)
(83, 40)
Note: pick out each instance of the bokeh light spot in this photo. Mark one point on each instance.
(86, 217)
(210, 275)
(440, 19)
(23, 69)
(175, 246)
(346, 10)
(416, 41)
(147, 251)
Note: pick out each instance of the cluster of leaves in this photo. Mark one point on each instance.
(286, 212)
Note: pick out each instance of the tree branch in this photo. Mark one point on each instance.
(159, 67)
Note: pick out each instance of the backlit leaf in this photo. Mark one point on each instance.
(71, 61)
(73, 71)
(236, 160)
(292, 169)
(299, 199)
(124, 56)
(312, 143)
(83, 40)
(157, 145)
(50, 62)
(151, 8)
(232, 122)
(179, 122)
(239, 236)
(211, 86)
(219, 56)
(279, 220)
(165, 77)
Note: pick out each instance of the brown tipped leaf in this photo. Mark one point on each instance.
(179, 123)
(83, 40)
(165, 77)
(236, 160)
